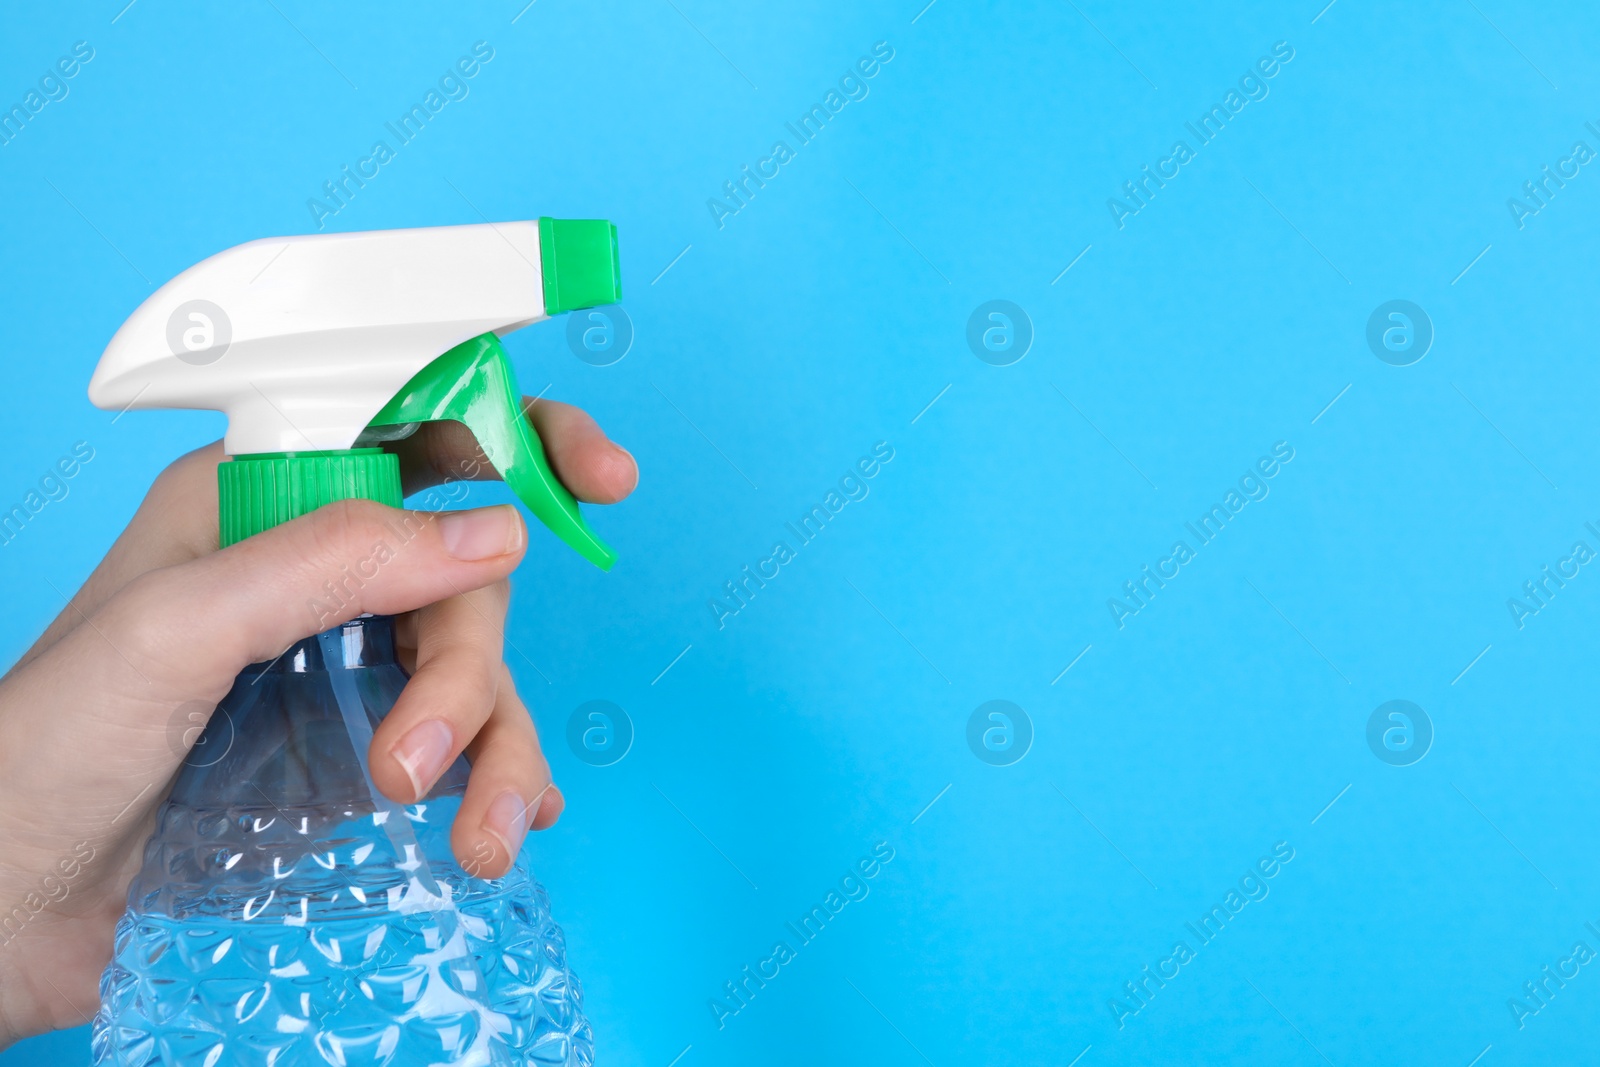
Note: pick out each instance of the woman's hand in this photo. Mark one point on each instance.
(93, 718)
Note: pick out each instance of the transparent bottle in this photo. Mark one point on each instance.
(287, 913)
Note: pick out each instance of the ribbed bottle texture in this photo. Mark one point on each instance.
(289, 915)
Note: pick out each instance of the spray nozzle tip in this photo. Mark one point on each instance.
(579, 263)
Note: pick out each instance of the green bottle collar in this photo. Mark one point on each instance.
(258, 492)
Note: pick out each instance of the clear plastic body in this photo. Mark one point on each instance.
(288, 914)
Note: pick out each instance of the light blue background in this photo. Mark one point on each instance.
(823, 318)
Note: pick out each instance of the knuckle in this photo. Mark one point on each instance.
(180, 477)
(464, 626)
(187, 484)
(518, 740)
(477, 689)
(336, 552)
(142, 616)
(459, 676)
(344, 533)
(496, 597)
(536, 774)
(152, 627)
(337, 528)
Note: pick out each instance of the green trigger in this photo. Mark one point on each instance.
(473, 384)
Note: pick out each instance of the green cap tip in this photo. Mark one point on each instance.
(579, 263)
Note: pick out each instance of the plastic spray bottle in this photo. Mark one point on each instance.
(287, 912)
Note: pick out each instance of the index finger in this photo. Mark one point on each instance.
(593, 467)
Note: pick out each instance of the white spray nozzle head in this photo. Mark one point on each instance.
(302, 340)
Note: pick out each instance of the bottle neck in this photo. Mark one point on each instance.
(364, 642)
(282, 735)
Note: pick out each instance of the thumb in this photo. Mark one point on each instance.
(198, 624)
(85, 728)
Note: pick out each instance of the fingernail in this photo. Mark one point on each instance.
(481, 533)
(507, 819)
(422, 752)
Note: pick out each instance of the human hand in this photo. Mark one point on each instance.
(166, 620)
